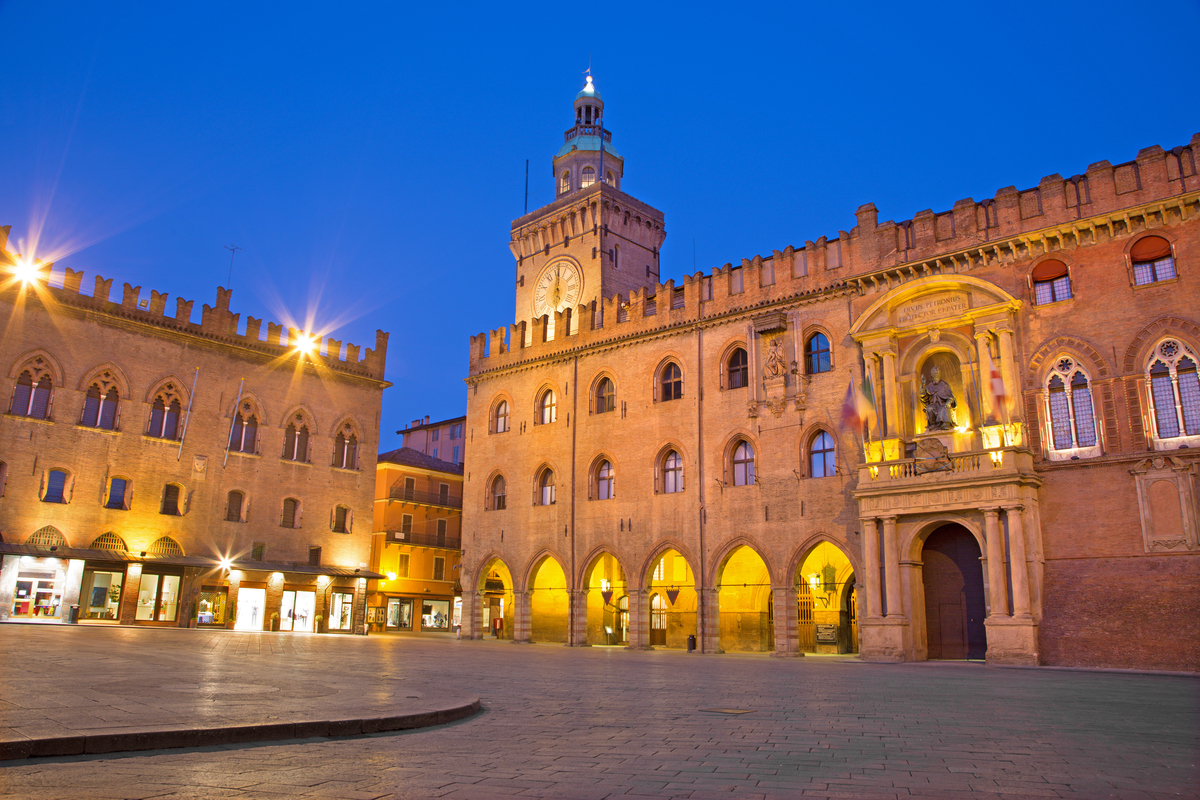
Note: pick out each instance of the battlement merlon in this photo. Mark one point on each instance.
(578, 213)
(217, 323)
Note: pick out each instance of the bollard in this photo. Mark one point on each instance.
(691, 643)
(73, 615)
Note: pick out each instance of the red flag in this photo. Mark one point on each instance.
(851, 418)
(996, 385)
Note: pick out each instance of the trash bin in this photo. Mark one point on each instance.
(691, 642)
(73, 615)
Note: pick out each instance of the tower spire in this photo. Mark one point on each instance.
(587, 155)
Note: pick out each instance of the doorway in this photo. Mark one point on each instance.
(298, 611)
(251, 608)
(954, 609)
(658, 621)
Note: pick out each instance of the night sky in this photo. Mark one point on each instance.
(369, 158)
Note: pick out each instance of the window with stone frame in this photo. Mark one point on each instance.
(606, 396)
(670, 380)
(737, 369)
(547, 407)
(1175, 393)
(604, 480)
(57, 487)
(1069, 408)
(742, 473)
(500, 417)
(295, 440)
(165, 412)
(118, 494)
(564, 182)
(672, 472)
(171, 503)
(341, 519)
(818, 357)
(290, 515)
(499, 492)
(101, 405)
(545, 486)
(33, 395)
(588, 177)
(244, 435)
(822, 456)
(345, 448)
(235, 503)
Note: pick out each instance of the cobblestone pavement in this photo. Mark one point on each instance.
(599, 723)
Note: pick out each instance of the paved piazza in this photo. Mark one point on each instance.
(593, 722)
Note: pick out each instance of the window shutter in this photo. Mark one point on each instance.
(186, 502)
(299, 513)
(69, 490)
(42, 487)
(245, 508)
(349, 521)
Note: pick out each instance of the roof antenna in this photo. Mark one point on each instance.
(232, 248)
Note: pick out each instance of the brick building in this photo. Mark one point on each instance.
(442, 440)
(417, 536)
(162, 472)
(656, 460)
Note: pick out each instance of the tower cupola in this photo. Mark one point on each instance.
(587, 153)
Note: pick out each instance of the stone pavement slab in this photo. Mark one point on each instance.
(595, 723)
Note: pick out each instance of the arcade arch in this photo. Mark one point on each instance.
(607, 622)
(495, 600)
(826, 603)
(745, 608)
(549, 601)
(670, 600)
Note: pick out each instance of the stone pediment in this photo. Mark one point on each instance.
(930, 302)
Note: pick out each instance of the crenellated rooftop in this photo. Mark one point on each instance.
(1158, 188)
(217, 322)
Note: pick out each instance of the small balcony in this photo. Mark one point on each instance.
(420, 538)
(949, 467)
(417, 497)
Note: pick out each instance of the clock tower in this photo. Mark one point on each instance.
(593, 241)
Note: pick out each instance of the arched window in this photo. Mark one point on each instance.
(499, 490)
(1175, 389)
(546, 487)
(118, 494)
(737, 369)
(165, 546)
(290, 518)
(31, 398)
(588, 178)
(48, 536)
(547, 407)
(245, 431)
(817, 355)
(345, 449)
(1152, 260)
(606, 396)
(822, 460)
(171, 500)
(743, 464)
(1069, 398)
(56, 487)
(100, 409)
(109, 541)
(672, 472)
(604, 481)
(341, 519)
(234, 503)
(295, 441)
(609, 179)
(671, 379)
(164, 419)
(500, 417)
(564, 182)
(1051, 282)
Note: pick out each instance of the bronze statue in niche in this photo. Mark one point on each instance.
(937, 398)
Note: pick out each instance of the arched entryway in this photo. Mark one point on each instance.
(607, 601)
(670, 601)
(744, 603)
(549, 603)
(826, 613)
(496, 600)
(954, 601)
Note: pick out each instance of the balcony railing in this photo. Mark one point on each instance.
(588, 130)
(450, 541)
(425, 498)
(976, 463)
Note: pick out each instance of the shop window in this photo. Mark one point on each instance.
(56, 487)
(100, 410)
(1069, 406)
(672, 472)
(158, 598)
(345, 450)
(111, 542)
(604, 481)
(671, 382)
(1152, 260)
(100, 594)
(165, 546)
(547, 406)
(606, 396)
(546, 487)
(245, 432)
(118, 494)
(737, 369)
(817, 355)
(314, 556)
(164, 420)
(500, 417)
(295, 442)
(235, 502)
(499, 490)
(1175, 390)
(402, 565)
(341, 519)
(341, 610)
(1051, 282)
(170, 501)
(290, 518)
(32, 398)
(743, 464)
(210, 609)
(439, 569)
(822, 456)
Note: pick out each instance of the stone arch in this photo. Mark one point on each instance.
(39, 359)
(171, 387)
(744, 582)
(1161, 233)
(604, 580)
(1138, 352)
(913, 539)
(597, 551)
(47, 536)
(659, 550)
(116, 377)
(549, 606)
(109, 541)
(310, 419)
(801, 551)
(723, 553)
(531, 567)
(1078, 348)
(877, 314)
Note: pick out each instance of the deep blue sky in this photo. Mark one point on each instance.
(369, 158)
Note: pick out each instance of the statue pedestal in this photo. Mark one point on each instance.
(775, 386)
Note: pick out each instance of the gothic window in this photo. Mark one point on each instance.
(345, 448)
(1051, 282)
(743, 464)
(1069, 405)
(1152, 260)
(822, 456)
(164, 418)
(671, 382)
(589, 177)
(171, 500)
(547, 407)
(295, 440)
(32, 395)
(100, 408)
(1175, 390)
(546, 487)
(500, 417)
(118, 494)
(606, 396)
(245, 430)
(672, 472)
(737, 369)
(234, 503)
(604, 481)
(817, 355)
(290, 518)
(499, 488)
(56, 487)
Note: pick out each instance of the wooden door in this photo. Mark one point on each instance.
(658, 620)
(807, 629)
(852, 617)
(953, 580)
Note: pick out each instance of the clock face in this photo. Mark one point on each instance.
(558, 287)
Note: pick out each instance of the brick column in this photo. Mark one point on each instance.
(891, 567)
(997, 583)
(710, 636)
(873, 592)
(1020, 568)
(577, 617)
(472, 616)
(639, 612)
(786, 637)
(521, 621)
